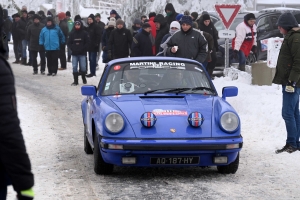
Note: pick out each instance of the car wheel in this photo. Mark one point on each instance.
(231, 168)
(87, 147)
(100, 167)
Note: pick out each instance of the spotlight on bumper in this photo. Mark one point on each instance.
(128, 160)
(220, 160)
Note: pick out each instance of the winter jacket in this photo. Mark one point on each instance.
(102, 27)
(210, 44)
(14, 160)
(105, 39)
(7, 23)
(43, 19)
(21, 27)
(153, 33)
(134, 30)
(171, 17)
(141, 45)
(211, 29)
(63, 25)
(288, 63)
(79, 42)
(15, 31)
(120, 41)
(164, 29)
(245, 38)
(33, 35)
(51, 37)
(95, 37)
(191, 44)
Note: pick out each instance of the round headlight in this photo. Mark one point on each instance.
(114, 122)
(229, 121)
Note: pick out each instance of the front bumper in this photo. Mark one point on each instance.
(143, 150)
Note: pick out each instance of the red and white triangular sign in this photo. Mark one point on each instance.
(227, 13)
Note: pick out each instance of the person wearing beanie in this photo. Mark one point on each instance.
(207, 26)
(287, 75)
(70, 27)
(63, 25)
(51, 38)
(135, 27)
(174, 27)
(178, 17)
(188, 42)
(162, 28)
(17, 42)
(79, 42)
(143, 18)
(142, 42)
(102, 27)
(42, 17)
(95, 34)
(194, 16)
(33, 35)
(106, 55)
(245, 40)
(114, 14)
(171, 13)
(152, 16)
(120, 41)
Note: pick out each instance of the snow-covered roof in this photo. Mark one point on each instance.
(85, 12)
(280, 2)
(47, 6)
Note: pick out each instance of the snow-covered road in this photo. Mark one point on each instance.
(49, 109)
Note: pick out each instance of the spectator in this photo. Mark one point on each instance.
(42, 17)
(70, 27)
(153, 29)
(188, 43)
(171, 13)
(114, 14)
(288, 74)
(135, 27)
(107, 55)
(210, 46)
(102, 26)
(21, 26)
(33, 34)
(24, 8)
(63, 25)
(142, 44)
(178, 17)
(245, 40)
(79, 42)
(174, 27)
(94, 34)
(16, 38)
(143, 18)
(52, 45)
(120, 41)
(7, 30)
(162, 28)
(194, 16)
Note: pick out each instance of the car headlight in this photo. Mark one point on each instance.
(114, 123)
(229, 121)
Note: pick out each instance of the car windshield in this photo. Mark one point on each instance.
(156, 77)
(219, 24)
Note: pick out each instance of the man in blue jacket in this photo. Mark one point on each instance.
(51, 37)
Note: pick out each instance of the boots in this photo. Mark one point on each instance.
(23, 62)
(242, 67)
(69, 59)
(75, 75)
(17, 61)
(83, 78)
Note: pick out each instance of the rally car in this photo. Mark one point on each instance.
(159, 112)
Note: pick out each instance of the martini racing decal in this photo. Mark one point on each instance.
(170, 112)
(159, 65)
(148, 119)
(195, 119)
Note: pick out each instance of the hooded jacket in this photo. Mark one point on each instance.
(164, 29)
(94, 32)
(33, 35)
(120, 41)
(173, 15)
(288, 63)
(79, 41)
(211, 29)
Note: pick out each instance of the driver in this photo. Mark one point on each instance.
(173, 79)
(129, 83)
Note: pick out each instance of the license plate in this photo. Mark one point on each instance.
(175, 160)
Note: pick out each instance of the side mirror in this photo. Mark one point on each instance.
(89, 90)
(230, 91)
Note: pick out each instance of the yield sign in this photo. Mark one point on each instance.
(227, 12)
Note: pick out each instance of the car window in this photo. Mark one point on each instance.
(297, 16)
(264, 24)
(140, 77)
(219, 24)
(274, 20)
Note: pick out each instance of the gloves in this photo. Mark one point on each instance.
(290, 87)
(235, 54)
(26, 194)
(254, 48)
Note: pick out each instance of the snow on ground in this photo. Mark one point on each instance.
(262, 174)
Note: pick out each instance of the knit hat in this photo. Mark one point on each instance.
(194, 15)
(152, 14)
(113, 12)
(35, 16)
(17, 15)
(31, 12)
(112, 22)
(92, 16)
(287, 21)
(77, 18)
(146, 25)
(137, 21)
(175, 24)
(178, 17)
(61, 16)
(49, 13)
(205, 17)
(249, 16)
(204, 12)
(41, 12)
(68, 13)
(97, 15)
(186, 20)
(120, 21)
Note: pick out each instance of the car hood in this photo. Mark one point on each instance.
(172, 113)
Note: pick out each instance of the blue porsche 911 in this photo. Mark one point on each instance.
(159, 112)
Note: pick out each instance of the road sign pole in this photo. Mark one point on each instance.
(226, 53)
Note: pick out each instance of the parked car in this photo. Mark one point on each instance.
(266, 28)
(159, 112)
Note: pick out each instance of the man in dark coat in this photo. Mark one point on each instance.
(15, 167)
(162, 28)
(142, 45)
(7, 30)
(106, 56)
(94, 33)
(16, 38)
(79, 42)
(288, 75)
(63, 25)
(43, 19)
(188, 43)
(102, 26)
(136, 26)
(171, 13)
(120, 41)
(33, 34)
(21, 26)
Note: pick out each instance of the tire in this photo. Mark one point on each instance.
(231, 168)
(87, 147)
(100, 167)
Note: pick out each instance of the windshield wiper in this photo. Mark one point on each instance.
(203, 88)
(151, 91)
(178, 90)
